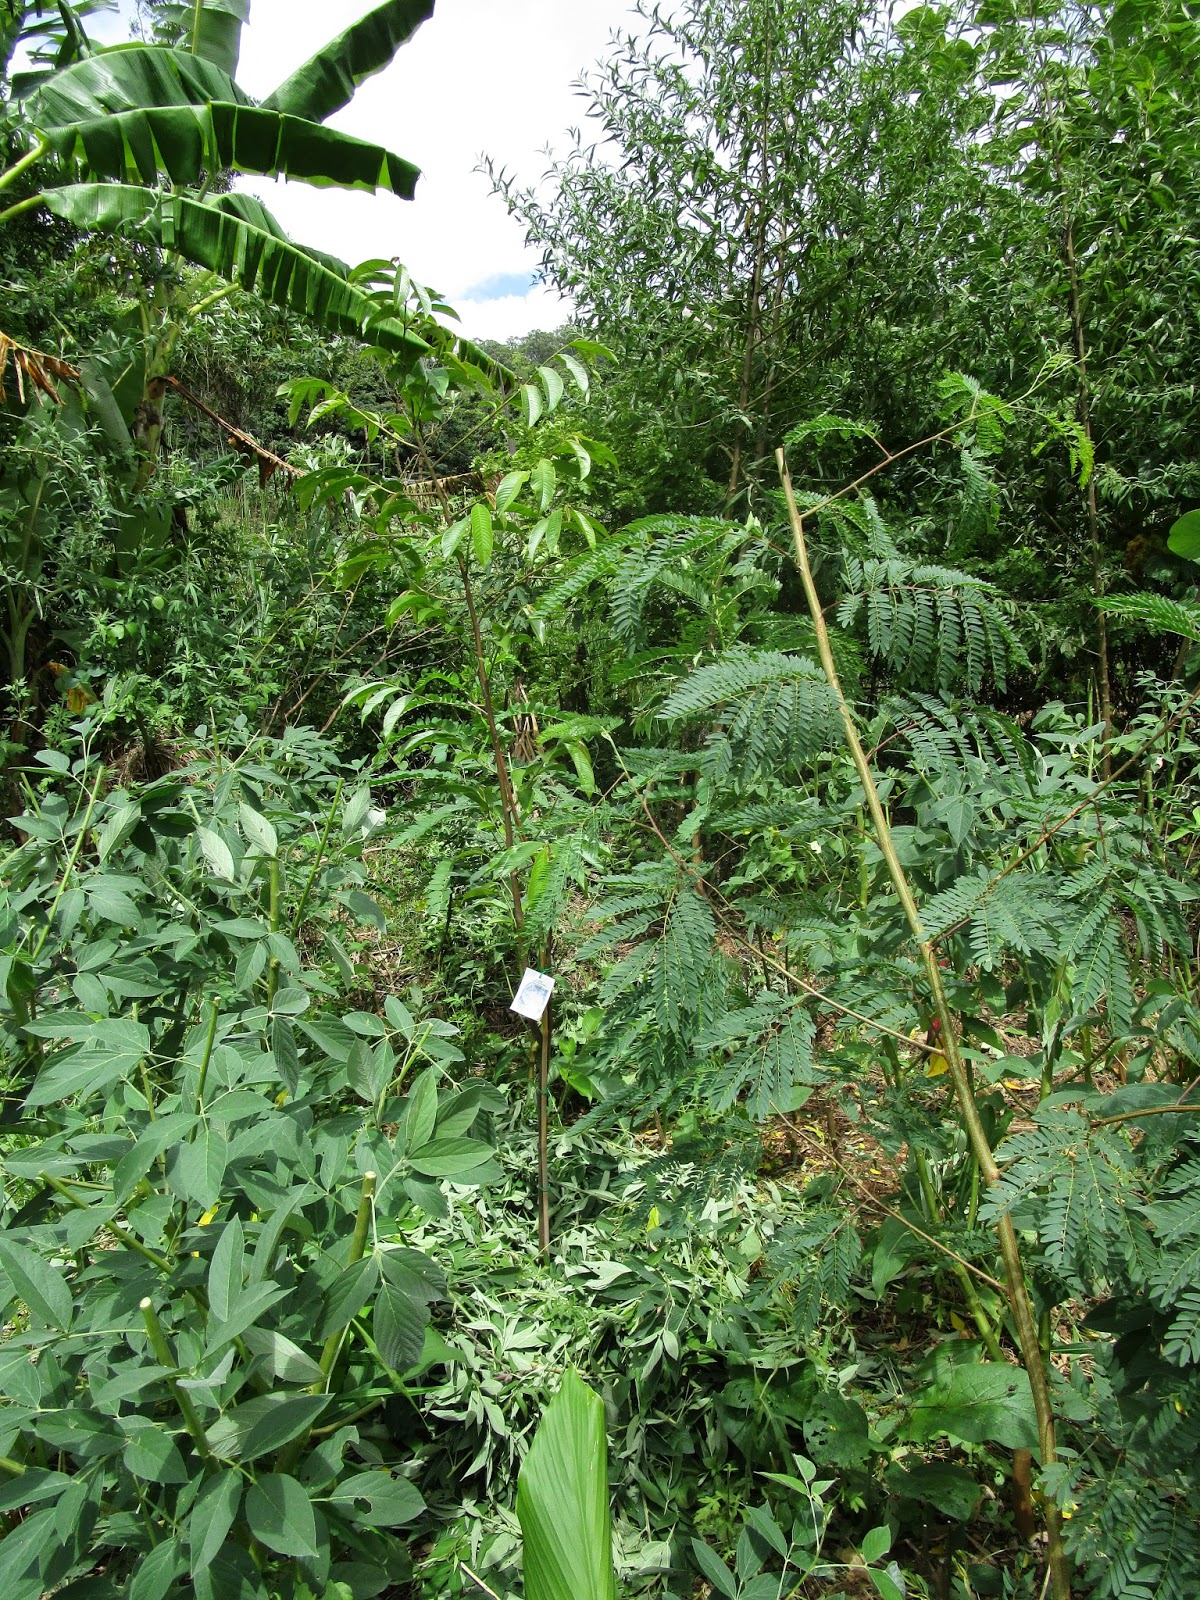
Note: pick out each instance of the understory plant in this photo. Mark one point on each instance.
(214, 1173)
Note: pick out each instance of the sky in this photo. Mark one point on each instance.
(480, 77)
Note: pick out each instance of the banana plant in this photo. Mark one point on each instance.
(124, 143)
(105, 128)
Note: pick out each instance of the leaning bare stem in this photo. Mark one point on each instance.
(1017, 1288)
(298, 919)
(544, 1136)
(80, 837)
(122, 1235)
(29, 159)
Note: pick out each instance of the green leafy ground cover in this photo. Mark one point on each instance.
(844, 1205)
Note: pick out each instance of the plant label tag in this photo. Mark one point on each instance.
(533, 996)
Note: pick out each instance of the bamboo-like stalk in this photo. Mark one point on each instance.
(29, 159)
(544, 1136)
(981, 1149)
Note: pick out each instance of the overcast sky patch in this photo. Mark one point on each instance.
(479, 78)
(502, 286)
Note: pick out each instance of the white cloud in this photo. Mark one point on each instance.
(481, 77)
(512, 314)
(478, 78)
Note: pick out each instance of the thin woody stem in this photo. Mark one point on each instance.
(1017, 1288)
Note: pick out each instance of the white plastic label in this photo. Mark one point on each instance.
(533, 996)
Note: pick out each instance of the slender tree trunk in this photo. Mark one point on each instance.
(544, 1135)
(509, 812)
(753, 305)
(1103, 682)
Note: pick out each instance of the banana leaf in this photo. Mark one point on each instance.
(211, 30)
(251, 210)
(184, 142)
(222, 239)
(562, 1501)
(130, 78)
(328, 80)
(49, 39)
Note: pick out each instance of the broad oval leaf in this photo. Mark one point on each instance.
(215, 1513)
(1184, 538)
(443, 1158)
(482, 533)
(377, 1499)
(281, 1516)
(39, 1285)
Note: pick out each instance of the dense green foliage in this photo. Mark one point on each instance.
(796, 658)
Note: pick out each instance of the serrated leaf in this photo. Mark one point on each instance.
(347, 1295)
(985, 1402)
(398, 1326)
(285, 1054)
